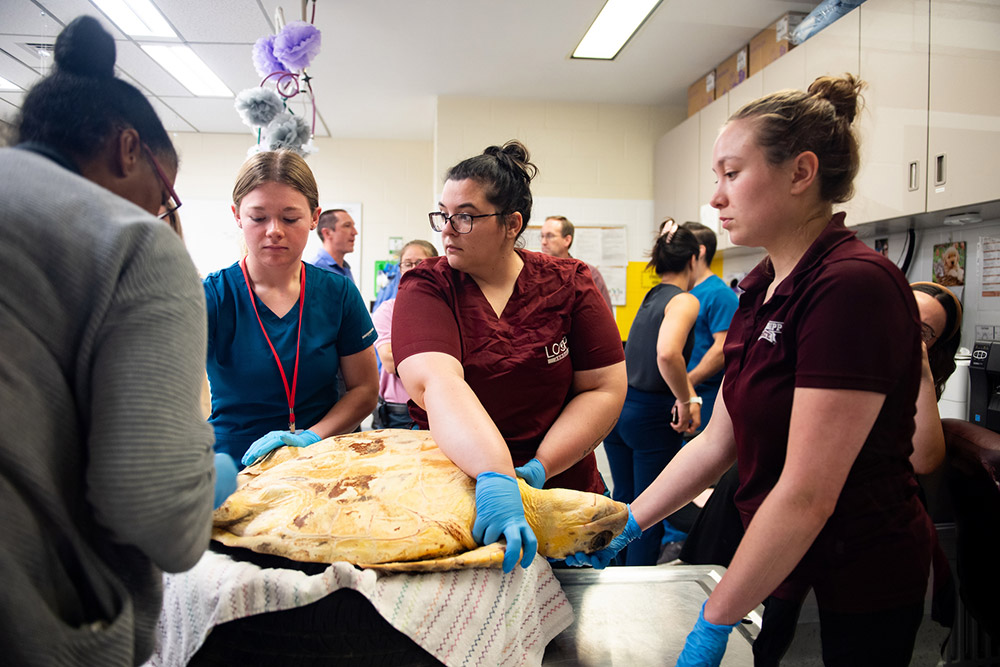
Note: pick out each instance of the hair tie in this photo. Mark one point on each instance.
(670, 228)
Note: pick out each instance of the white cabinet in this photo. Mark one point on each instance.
(963, 139)
(930, 129)
(748, 91)
(893, 124)
(713, 117)
(675, 172)
(835, 51)
(787, 72)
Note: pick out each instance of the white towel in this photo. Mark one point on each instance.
(462, 617)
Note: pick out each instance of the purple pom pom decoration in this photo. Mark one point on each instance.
(264, 60)
(297, 44)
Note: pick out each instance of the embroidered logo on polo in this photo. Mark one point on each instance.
(771, 331)
(557, 351)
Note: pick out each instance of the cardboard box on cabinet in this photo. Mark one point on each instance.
(701, 93)
(731, 72)
(772, 42)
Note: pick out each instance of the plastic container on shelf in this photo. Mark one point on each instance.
(954, 401)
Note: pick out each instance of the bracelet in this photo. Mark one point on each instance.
(695, 399)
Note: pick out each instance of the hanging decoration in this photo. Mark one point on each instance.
(282, 60)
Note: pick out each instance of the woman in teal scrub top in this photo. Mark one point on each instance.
(279, 329)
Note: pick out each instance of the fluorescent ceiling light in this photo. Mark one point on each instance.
(7, 85)
(613, 27)
(189, 69)
(138, 18)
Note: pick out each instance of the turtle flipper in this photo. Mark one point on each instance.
(490, 556)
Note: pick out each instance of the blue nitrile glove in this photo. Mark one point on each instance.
(225, 478)
(532, 472)
(600, 559)
(706, 643)
(500, 512)
(263, 445)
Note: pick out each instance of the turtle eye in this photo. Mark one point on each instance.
(600, 541)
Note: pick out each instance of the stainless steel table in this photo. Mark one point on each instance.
(637, 616)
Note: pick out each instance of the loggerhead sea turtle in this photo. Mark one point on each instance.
(392, 500)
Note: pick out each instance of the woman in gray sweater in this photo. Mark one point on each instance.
(106, 469)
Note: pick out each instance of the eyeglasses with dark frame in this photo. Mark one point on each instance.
(927, 333)
(460, 222)
(173, 202)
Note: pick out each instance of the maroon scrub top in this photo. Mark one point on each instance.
(845, 318)
(520, 365)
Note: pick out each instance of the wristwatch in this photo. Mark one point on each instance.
(696, 400)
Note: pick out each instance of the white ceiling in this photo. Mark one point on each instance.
(384, 62)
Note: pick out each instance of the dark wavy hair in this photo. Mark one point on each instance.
(672, 252)
(505, 173)
(941, 355)
(77, 107)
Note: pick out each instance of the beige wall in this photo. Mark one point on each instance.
(601, 151)
(595, 165)
(389, 178)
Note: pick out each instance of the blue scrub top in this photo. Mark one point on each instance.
(248, 396)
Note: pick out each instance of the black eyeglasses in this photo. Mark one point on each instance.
(172, 202)
(408, 264)
(927, 333)
(460, 222)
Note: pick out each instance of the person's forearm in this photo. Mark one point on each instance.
(349, 411)
(697, 465)
(711, 363)
(671, 367)
(463, 429)
(781, 532)
(579, 429)
(385, 356)
(928, 436)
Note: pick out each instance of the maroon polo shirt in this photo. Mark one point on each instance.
(520, 365)
(845, 318)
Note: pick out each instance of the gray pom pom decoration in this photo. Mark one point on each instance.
(287, 131)
(258, 106)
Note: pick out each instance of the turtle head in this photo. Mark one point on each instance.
(567, 521)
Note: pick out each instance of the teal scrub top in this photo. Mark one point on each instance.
(248, 396)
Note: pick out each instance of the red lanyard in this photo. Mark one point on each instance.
(290, 395)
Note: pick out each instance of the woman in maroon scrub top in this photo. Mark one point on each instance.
(510, 357)
(818, 401)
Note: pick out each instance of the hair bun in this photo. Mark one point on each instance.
(85, 48)
(515, 155)
(842, 92)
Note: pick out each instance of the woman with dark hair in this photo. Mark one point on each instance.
(105, 459)
(817, 404)
(511, 358)
(940, 332)
(661, 403)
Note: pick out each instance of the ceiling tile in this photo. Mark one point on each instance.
(134, 61)
(233, 63)
(219, 21)
(65, 11)
(170, 119)
(208, 114)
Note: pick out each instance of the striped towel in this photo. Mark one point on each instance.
(462, 617)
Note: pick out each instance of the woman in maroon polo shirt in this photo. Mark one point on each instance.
(510, 357)
(818, 401)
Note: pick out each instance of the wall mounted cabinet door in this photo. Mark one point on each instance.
(893, 124)
(675, 172)
(964, 118)
(834, 51)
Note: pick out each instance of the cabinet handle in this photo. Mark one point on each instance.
(914, 175)
(940, 169)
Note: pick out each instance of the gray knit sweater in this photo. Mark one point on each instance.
(106, 471)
